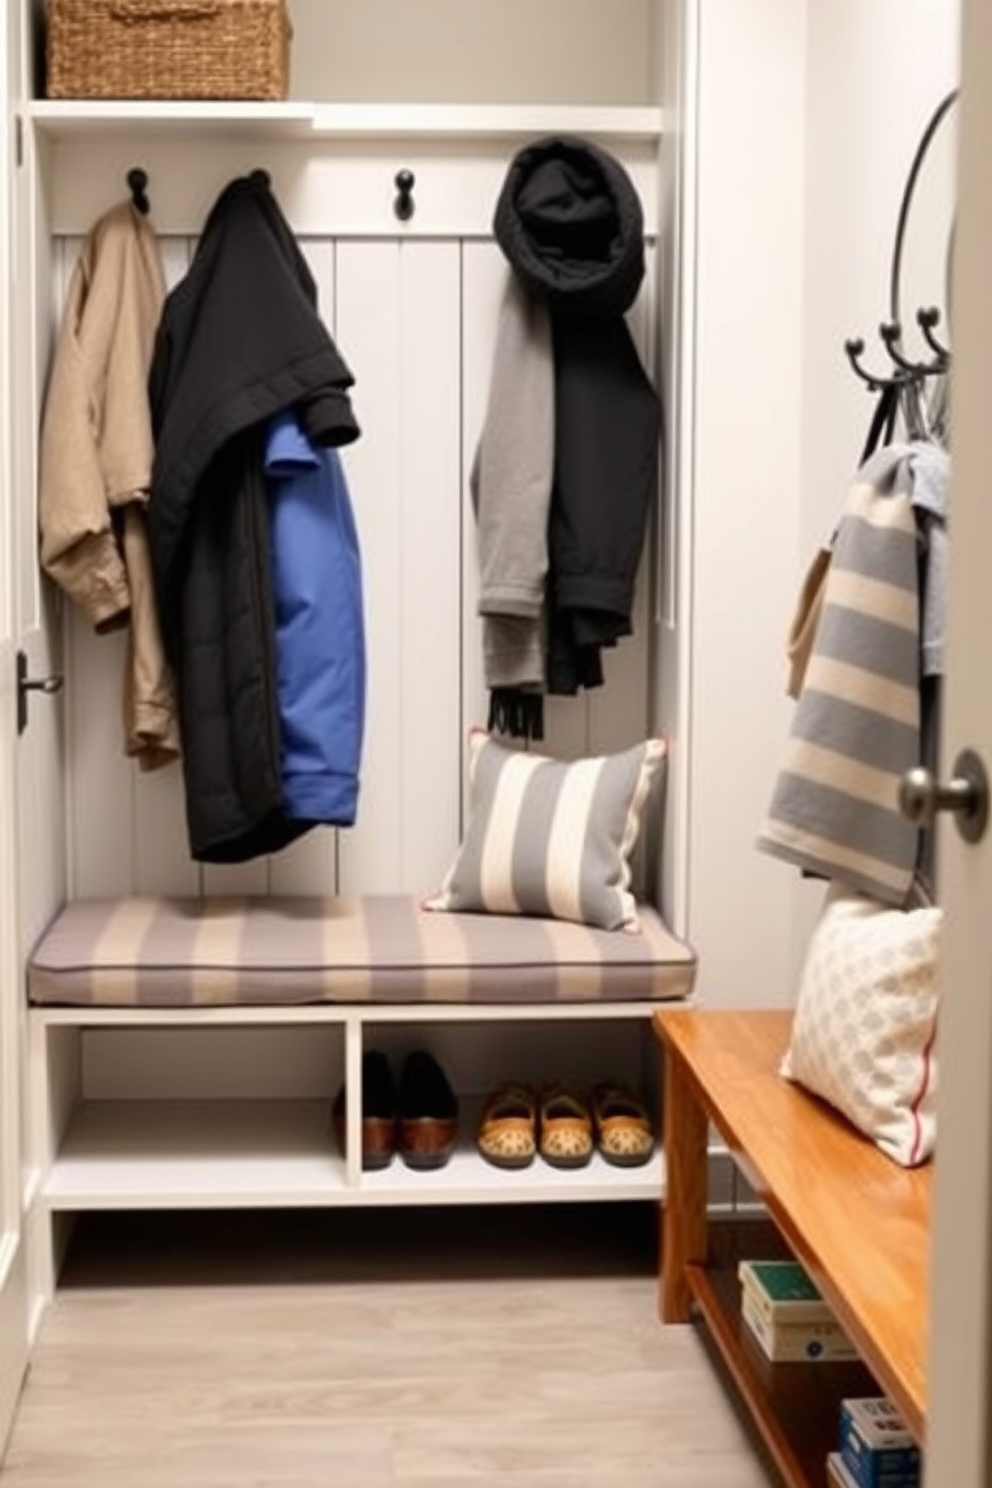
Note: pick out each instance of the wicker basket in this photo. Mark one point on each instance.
(168, 49)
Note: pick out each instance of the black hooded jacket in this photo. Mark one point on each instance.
(240, 339)
(570, 223)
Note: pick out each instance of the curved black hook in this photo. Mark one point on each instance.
(854, 349)
(928, 320)
(891, 334)
(907, 197)
(137, 182)
(404, 205)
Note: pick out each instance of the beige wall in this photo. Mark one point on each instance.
(473, 51)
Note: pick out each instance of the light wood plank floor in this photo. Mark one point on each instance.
(286, 1351)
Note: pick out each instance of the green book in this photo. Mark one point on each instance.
(783, 1290)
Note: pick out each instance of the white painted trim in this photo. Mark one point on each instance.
(487, 121)
(959, 1352)
(60, 119)
(682, 399)
(348, 1013)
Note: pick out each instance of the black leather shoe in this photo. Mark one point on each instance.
(378, 1112)
(428, 1116)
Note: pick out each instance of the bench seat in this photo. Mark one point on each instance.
(172, 952)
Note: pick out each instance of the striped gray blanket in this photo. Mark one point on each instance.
(856, 727)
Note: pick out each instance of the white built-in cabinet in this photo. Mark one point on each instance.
(231, 1107)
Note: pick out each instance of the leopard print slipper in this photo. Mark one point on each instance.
(507, 1135)
(566, 1127)
(624, 1134)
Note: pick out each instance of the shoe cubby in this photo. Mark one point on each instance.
(477, 1053)
(146, 1115)
(232, 1107)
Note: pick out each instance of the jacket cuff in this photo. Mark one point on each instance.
(328, 418)
(92, 573)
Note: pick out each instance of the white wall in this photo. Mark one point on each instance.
(472, 51)
(875, 74)
(808, 119)
(748, 419)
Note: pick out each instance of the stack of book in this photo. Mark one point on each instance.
(876, 1450)
(787, 1315)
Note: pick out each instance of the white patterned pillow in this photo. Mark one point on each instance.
(865, 1022)
(551, 838)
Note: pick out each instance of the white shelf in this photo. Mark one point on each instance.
(467, 1179)
(62, 118)
(71, 118)
(196, 1155)
(281, 1154)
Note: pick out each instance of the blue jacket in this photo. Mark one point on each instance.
(320, 633)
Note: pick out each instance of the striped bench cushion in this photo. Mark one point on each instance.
(188, 952)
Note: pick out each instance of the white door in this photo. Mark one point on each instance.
(960, 1364)
(13, 1283)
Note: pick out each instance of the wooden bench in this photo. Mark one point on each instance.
(858, 1222)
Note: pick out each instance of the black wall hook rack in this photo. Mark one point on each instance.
(404, 205)
(137, 184)
(905, 371)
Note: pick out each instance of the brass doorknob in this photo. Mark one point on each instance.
(966, 794)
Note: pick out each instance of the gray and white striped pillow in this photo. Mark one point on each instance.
(551, 838)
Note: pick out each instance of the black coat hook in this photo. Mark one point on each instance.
(928, 320)
(404, 205)
(855, 351)
(891, 334)
(137, 181)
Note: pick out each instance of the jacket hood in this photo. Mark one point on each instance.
(570, 223)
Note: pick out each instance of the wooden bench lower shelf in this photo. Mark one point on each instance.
(857, 1222)
(795, 1407)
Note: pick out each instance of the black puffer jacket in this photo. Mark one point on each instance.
(570, 223)
(240, 339)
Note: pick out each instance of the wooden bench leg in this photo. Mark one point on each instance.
(684, 1228)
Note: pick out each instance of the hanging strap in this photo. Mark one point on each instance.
(883, 420)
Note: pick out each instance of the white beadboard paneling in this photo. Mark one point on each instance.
(430, 600)
(368, 320)
(101, 803)
(397, 319)
(236, 878)
(310, 866)
(162, 864)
